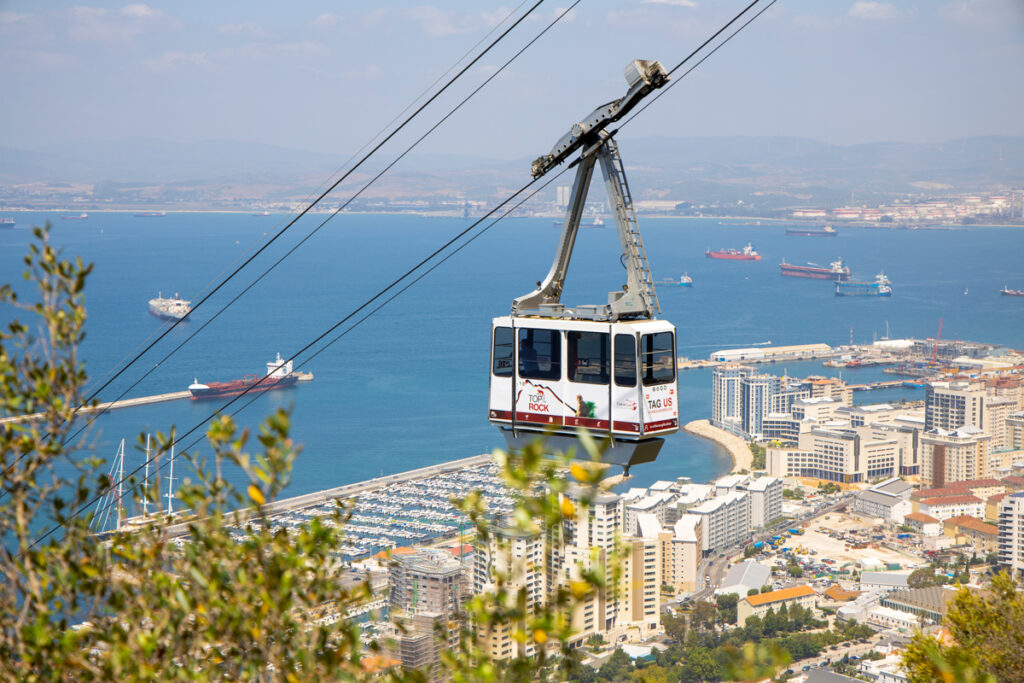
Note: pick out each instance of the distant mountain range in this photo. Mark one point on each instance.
(761, 170)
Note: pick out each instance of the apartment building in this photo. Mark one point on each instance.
(952, 456)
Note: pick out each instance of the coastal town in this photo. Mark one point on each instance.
(862, 519)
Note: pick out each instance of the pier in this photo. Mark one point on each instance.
(132, 402)
(99, 407)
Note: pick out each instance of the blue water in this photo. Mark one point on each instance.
(408, 387)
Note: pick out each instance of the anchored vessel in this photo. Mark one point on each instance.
(1006, 291)
(836, 270)
(609, 368)
(827, 231)
(174, 308)
(73, 217)
(745, 254)
(279, 375)
(6, 222)
(880, 287)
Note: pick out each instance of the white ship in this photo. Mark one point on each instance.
(175, 308)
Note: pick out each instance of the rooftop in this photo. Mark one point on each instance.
(951, 500)
(879, 498)
(685, 528)
(920, 518)
(974, 524)
(748, 573)
(780, 595)
(761, 483)
(884, 579)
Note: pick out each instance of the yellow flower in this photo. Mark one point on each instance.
(256, 494)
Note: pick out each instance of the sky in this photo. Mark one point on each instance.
(326, 76)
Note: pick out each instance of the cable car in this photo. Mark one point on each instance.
(611, 368)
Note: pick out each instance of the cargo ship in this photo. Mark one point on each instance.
(73, 217)
(1006, 291)
(827, 231)
(279, 375)
(6, 222)
(746, 254)
(150, 214)
(836, 270)
(880, 287)
(174, 308)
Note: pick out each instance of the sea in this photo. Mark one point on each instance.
(407, 386)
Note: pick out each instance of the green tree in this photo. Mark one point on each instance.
(234, 597)
(699, 665)
(988, 634)
(727, 608)
(675, 625)
(617, 668)
(702, 616)
(922, 578)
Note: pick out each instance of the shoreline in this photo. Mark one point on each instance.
(742, 458)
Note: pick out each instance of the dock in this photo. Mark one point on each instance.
(345, 492)
(100, 407)
(132, 402)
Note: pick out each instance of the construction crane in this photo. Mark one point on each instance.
(935, 346)
(608, 368)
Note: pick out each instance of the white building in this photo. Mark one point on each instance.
(765, 501)
(888, 581)
(726, 520)
(1011, 533)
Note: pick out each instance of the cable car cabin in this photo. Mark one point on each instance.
(617, 379)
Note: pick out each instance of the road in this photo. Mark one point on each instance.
(716, 566)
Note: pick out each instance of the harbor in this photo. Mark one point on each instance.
(404, 509)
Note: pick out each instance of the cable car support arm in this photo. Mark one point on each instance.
(637, 298)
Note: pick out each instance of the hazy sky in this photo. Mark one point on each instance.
(325, 76)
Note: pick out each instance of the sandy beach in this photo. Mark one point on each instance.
(742, 458)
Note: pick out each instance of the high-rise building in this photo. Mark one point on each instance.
(588, 542)
(518, 558)
(726, 520)
(1015, 430)
(954, 404)
(997, 412)
(765, 501)
(425, 597)
(1011, 533)
(756, 392)
(726, 396)
(951, 456)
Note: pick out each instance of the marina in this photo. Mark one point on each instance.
(399, 510)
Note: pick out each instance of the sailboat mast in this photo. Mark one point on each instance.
(145, 486)
(170, 485)
(120, 483)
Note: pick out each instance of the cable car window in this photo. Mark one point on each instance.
(587, 354)
(502, 354)
(625, 360)
(540, 354)
(658, 357)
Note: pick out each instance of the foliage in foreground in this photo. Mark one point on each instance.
(988, 638)
(230, 597)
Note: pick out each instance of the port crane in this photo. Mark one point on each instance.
(609, 368)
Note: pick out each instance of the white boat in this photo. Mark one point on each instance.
(174, 308)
